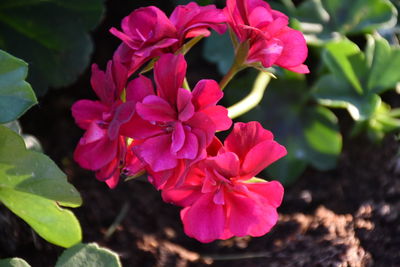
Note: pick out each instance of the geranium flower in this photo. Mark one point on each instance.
(271, 41)
(102, 148)
(173, 123)
(219, 196)
(148, 33)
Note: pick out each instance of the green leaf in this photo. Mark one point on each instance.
(52, 35)
(88, 255)
(16, 95)
(334, 92)
(357, 78)
(34, 188)
(384, 121)
(13, 262)
(340, 57)
(320, 19)
(289, 168)
(309, 132)
(320, 127)
(218, 49)
(384, 65)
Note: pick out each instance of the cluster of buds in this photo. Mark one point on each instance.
(167, 130)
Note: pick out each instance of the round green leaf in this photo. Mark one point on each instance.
(384, 65)
(52, 35)
(14, 262)
(323, 142)
(34, 188)
(343, 59)
(16, 95)
(88, 255)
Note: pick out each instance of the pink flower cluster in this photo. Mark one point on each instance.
(168, 131)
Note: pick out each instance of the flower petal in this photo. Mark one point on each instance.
(300, 69)
(169, 72)
(245, 136)
(219, 115)
(260, 156)
(156, 151)
(87, 111)
(184, 105)
(123, 114)
(204, 220)
(242, 215)
(95, 149)
(192, 20)
(267, 192)
(138, 89)
(137, 128)
(206, 93)
(154, 108)
(99, 85)
(178, 138)
(294, 48)
(190, 148)
(226, 164)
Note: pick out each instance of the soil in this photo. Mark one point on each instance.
(346, 217)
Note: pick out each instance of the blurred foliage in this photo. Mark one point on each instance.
(13, 262)
(34, 188)
(309, 132)
(16, 95)
(218, 49)
(31, 184)
(51, 35)
(80, 255)
(88, 255)
(322, 20)
(342, 76)
(355, 81)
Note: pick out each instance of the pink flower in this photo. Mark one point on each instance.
(193, 20)
(173, 123)
(271, 41)
(147, 32)
(219, 199)
(102, 148)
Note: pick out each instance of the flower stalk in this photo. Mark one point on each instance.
(253, 98)
(238, 64)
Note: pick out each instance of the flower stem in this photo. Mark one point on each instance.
(228, 77)
(186, 85)
(237, 65)
(252, 99)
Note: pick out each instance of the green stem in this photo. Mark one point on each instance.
(252, 99)
(238, 64)
(229, 76)
(186, 84)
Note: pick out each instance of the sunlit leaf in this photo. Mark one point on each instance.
(34, 188)
(13, 262)
(88, 255)
(321, 19)
(384, 65)
(344, 59)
